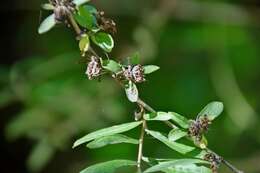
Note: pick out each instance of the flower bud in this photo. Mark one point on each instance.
(94, 68)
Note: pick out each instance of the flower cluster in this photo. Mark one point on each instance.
(214, 160)
(198, 127)
(134, 73)
(62, 8)
(94, 68)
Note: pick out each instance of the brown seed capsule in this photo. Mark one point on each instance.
(94, 68)
(106, 24)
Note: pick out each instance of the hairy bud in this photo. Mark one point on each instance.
(62, 8)
(94, 68)
(214, 160)
(135, 73)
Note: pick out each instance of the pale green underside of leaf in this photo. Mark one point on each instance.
(106, 132)
(111, 65)
(150, 69)
(112, 139)
(108, 167)
(162, 166)
(181, 148)
(192, 168)
(47, 24)
(176, 134)
(80, 2)
(132, 92)
(212, 110)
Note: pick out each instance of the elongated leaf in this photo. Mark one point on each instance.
(176, 134)
(111, 65)
(108, 167)
(212, 110)
(181, 148)
(159, 116)
(104, 41)
(180, 120)
(106, 132)
(169, 164)
(150, 69)
(191, 168)
(113, 139)
(80, 2)
(132, 92)
(47, 24)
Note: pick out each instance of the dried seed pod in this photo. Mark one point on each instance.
(94, 68)
(62, 8)
(106, 24)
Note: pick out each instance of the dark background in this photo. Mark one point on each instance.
(204, 55)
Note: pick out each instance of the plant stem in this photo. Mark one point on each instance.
(140, 149)
(145, 106)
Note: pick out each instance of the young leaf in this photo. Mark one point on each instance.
(169, 164)
(176, 134)
(181, 148)
(180, 120)
(80, 2)
(191, 168)
(84, 44)
(134, 59)
(132, 92)
(103, 40)
(108, 167)
(159, 116)
(111, 65)
(112, 139)
(91, 9)
(150, 69)
(106, 132)
(86, 19)
(212, 110)
(47, 24)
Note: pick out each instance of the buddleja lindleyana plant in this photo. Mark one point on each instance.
(93, 28)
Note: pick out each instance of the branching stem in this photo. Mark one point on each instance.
(145, 106)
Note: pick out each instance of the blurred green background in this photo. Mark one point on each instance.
(207, 50)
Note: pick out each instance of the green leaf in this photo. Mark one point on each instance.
(169, 164)
(86, 19)
(103, 40)
(91, 9)
(181, 148)
(212, 110)
(180, 120)
(112, 139)
(111, 65)
(132, 92)
(84, 44)
(108, 167)
(80, 2)
(176, 134)
(106, 132)
(191, 168)
(150, 69)
(159, 116)
(47, 24)
(134, 59)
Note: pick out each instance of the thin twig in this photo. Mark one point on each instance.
(140, 149)
(145, 106)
